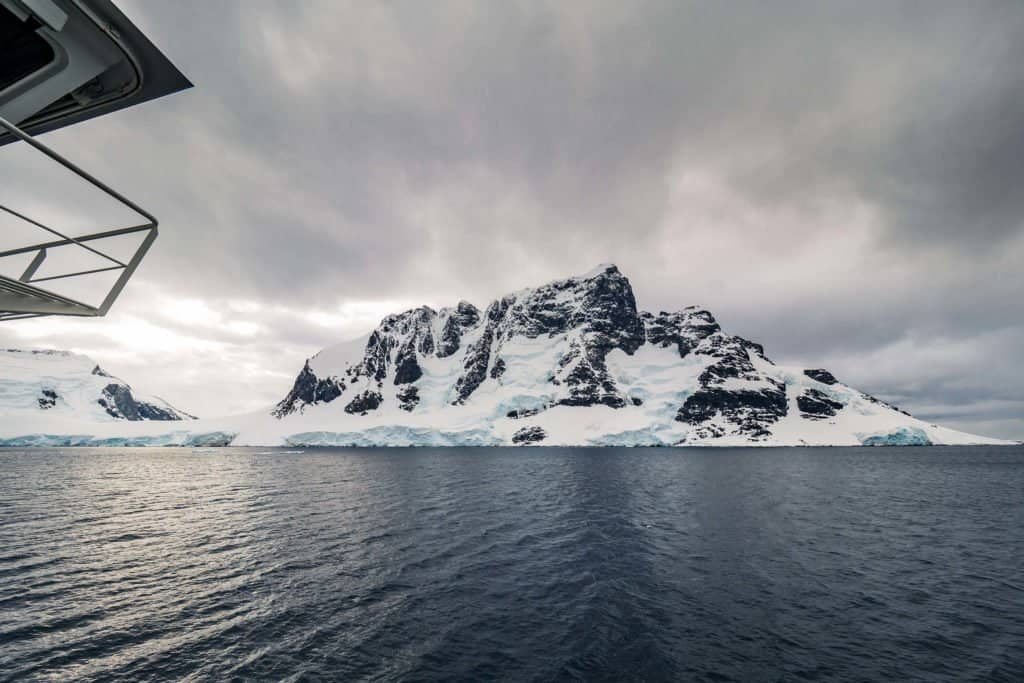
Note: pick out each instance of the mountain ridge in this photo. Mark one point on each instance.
(573, 362)
(738, 396)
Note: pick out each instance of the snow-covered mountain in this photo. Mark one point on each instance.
(70, 386)
(573, 362)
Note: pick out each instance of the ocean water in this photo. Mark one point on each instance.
(512, 564)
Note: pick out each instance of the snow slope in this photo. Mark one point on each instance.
(66, 386)
(572, 362)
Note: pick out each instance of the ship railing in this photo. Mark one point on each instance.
(29, 295)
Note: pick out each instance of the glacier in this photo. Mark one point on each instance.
(901, 436)
(180, 438)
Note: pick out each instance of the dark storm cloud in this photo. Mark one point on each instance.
(943, 156)
(833, 179)
(584, 110)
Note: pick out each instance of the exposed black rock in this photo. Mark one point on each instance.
(683, 329)
(816, 405)
(307, 390)
(407, 369)
(48, 399)
(375, 360)
(478, 357)
(599, 307)
(609, 312)
(695, 330)
(327, 390)
(821, 375)
(708, 431)
(401, 336)
(463, 317)
(118, 401)
(415, 324)
(364, 402)
(751, 411)
(394, 348)
(732, 356)
(408, 398)
(529, 435)
(583, 370)
(525, 412)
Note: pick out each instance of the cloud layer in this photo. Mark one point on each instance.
(840, 182)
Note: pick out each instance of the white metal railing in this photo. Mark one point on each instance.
(23, 297)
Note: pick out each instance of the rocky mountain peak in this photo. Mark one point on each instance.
(564, 343)
(595, 313)
(453, 324)
(600, 302)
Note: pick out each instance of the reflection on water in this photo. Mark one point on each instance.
(475, 564)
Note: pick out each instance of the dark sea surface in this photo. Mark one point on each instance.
(512, 564)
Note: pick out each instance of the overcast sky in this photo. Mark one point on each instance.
(842, 183)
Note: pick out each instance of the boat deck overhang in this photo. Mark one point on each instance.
(62, 62)
(26, 296)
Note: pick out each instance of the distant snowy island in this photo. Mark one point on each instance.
(569, 363)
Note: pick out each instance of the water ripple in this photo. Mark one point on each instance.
(525, 564)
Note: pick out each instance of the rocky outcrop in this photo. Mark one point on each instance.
(454, 323)
(585, 374)
(732, 396)
(118, 401)
(48, 399)
(597, 312)
(821, 375)
(684, 329)
(528, 435)
(309, 389)
(364, 403)
(748, 412)
(478, 358)
(816, 405)
(408, 398)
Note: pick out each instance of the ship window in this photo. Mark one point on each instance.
(22, 50)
